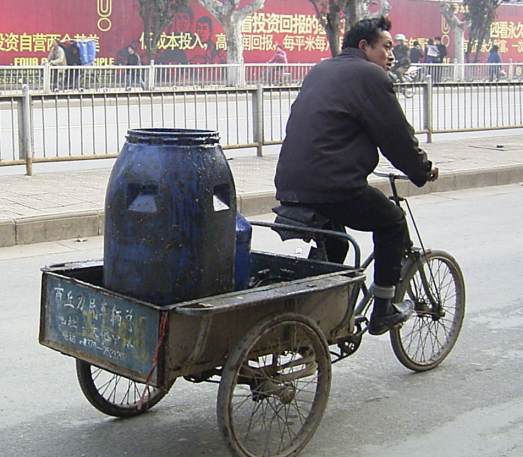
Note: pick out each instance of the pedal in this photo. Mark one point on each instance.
(406, 307)
(360, 323)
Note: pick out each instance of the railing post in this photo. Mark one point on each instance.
(257, 116)
(427, 107)
(25, 134)
(47, 79)
(151, 76)
(510, 70)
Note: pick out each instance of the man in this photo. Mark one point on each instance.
(494, 59)
(442, 50)
(345, 110)
(416, 53)
(442, 58)
(56, 58)
(401, 56)
(279, 59)
(133, 75)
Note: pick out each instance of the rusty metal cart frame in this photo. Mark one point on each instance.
(272, 344)
(271, 340)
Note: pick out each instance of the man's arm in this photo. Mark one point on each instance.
(387, 126)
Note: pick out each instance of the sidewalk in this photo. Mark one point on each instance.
(61, 205)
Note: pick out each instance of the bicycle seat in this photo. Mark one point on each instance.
(300, 217)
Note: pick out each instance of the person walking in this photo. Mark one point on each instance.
(416, 54)
(279, 59)
(431, 52)
(442, 50)
(494, 61)
(56, 58)
(345, 111)
(133, 75)
(401, 56)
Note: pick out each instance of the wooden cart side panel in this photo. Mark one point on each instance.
(106, 330)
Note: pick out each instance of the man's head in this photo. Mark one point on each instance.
(183, 18)
(203, 28)
(400, 38)
(373, 37)
(437, 40)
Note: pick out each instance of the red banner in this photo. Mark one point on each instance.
(29, 28)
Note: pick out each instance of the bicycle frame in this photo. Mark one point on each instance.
(412, 254)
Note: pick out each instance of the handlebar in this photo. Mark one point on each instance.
(391, 176)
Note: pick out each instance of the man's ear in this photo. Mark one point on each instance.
(363, 45)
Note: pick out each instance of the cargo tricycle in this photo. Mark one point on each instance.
(271, 345)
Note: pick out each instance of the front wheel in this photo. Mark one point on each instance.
(274, 388)
(434, 283)
(113, 394)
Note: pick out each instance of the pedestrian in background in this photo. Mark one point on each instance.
(133, 74)
(73, 74)
(280, 59)
(494, 59)
(56, 58)
(431, 52)
(401, 57)
(442, 50)
(416, 53)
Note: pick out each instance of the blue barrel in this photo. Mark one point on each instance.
(242, 270)
(170, 213)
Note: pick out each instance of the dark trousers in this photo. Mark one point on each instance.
(369, 210)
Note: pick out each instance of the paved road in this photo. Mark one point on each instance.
(471, 406)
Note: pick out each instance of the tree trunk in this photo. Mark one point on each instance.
(355, 11)
(233, 38)
(459, 51)
(333, 35)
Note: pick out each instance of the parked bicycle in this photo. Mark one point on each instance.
(404, 79)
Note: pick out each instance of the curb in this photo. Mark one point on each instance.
(253, 204)
(55, 227)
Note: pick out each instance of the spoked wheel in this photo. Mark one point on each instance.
(274, 387)
(116, 395)
(438, 295)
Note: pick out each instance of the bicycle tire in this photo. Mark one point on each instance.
(274, 387)
(102, 388)
(427, 338)
(408, 91)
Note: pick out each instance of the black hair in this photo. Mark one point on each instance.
(494, 48)
(366, 29)
(184, 9)
(205, 19)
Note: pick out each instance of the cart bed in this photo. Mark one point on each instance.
(80, 318)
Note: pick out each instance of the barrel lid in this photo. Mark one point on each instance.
(173, 136)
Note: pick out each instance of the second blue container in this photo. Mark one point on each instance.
(242, 263)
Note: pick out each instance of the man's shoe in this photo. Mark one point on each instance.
(398, 313)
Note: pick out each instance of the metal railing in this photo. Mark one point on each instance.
(46, 79)
(89, 125)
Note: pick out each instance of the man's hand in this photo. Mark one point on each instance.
(433, 174)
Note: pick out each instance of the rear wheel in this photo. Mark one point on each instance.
(408, 91)
(436, 287)
(274, 388)
(116, 395)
